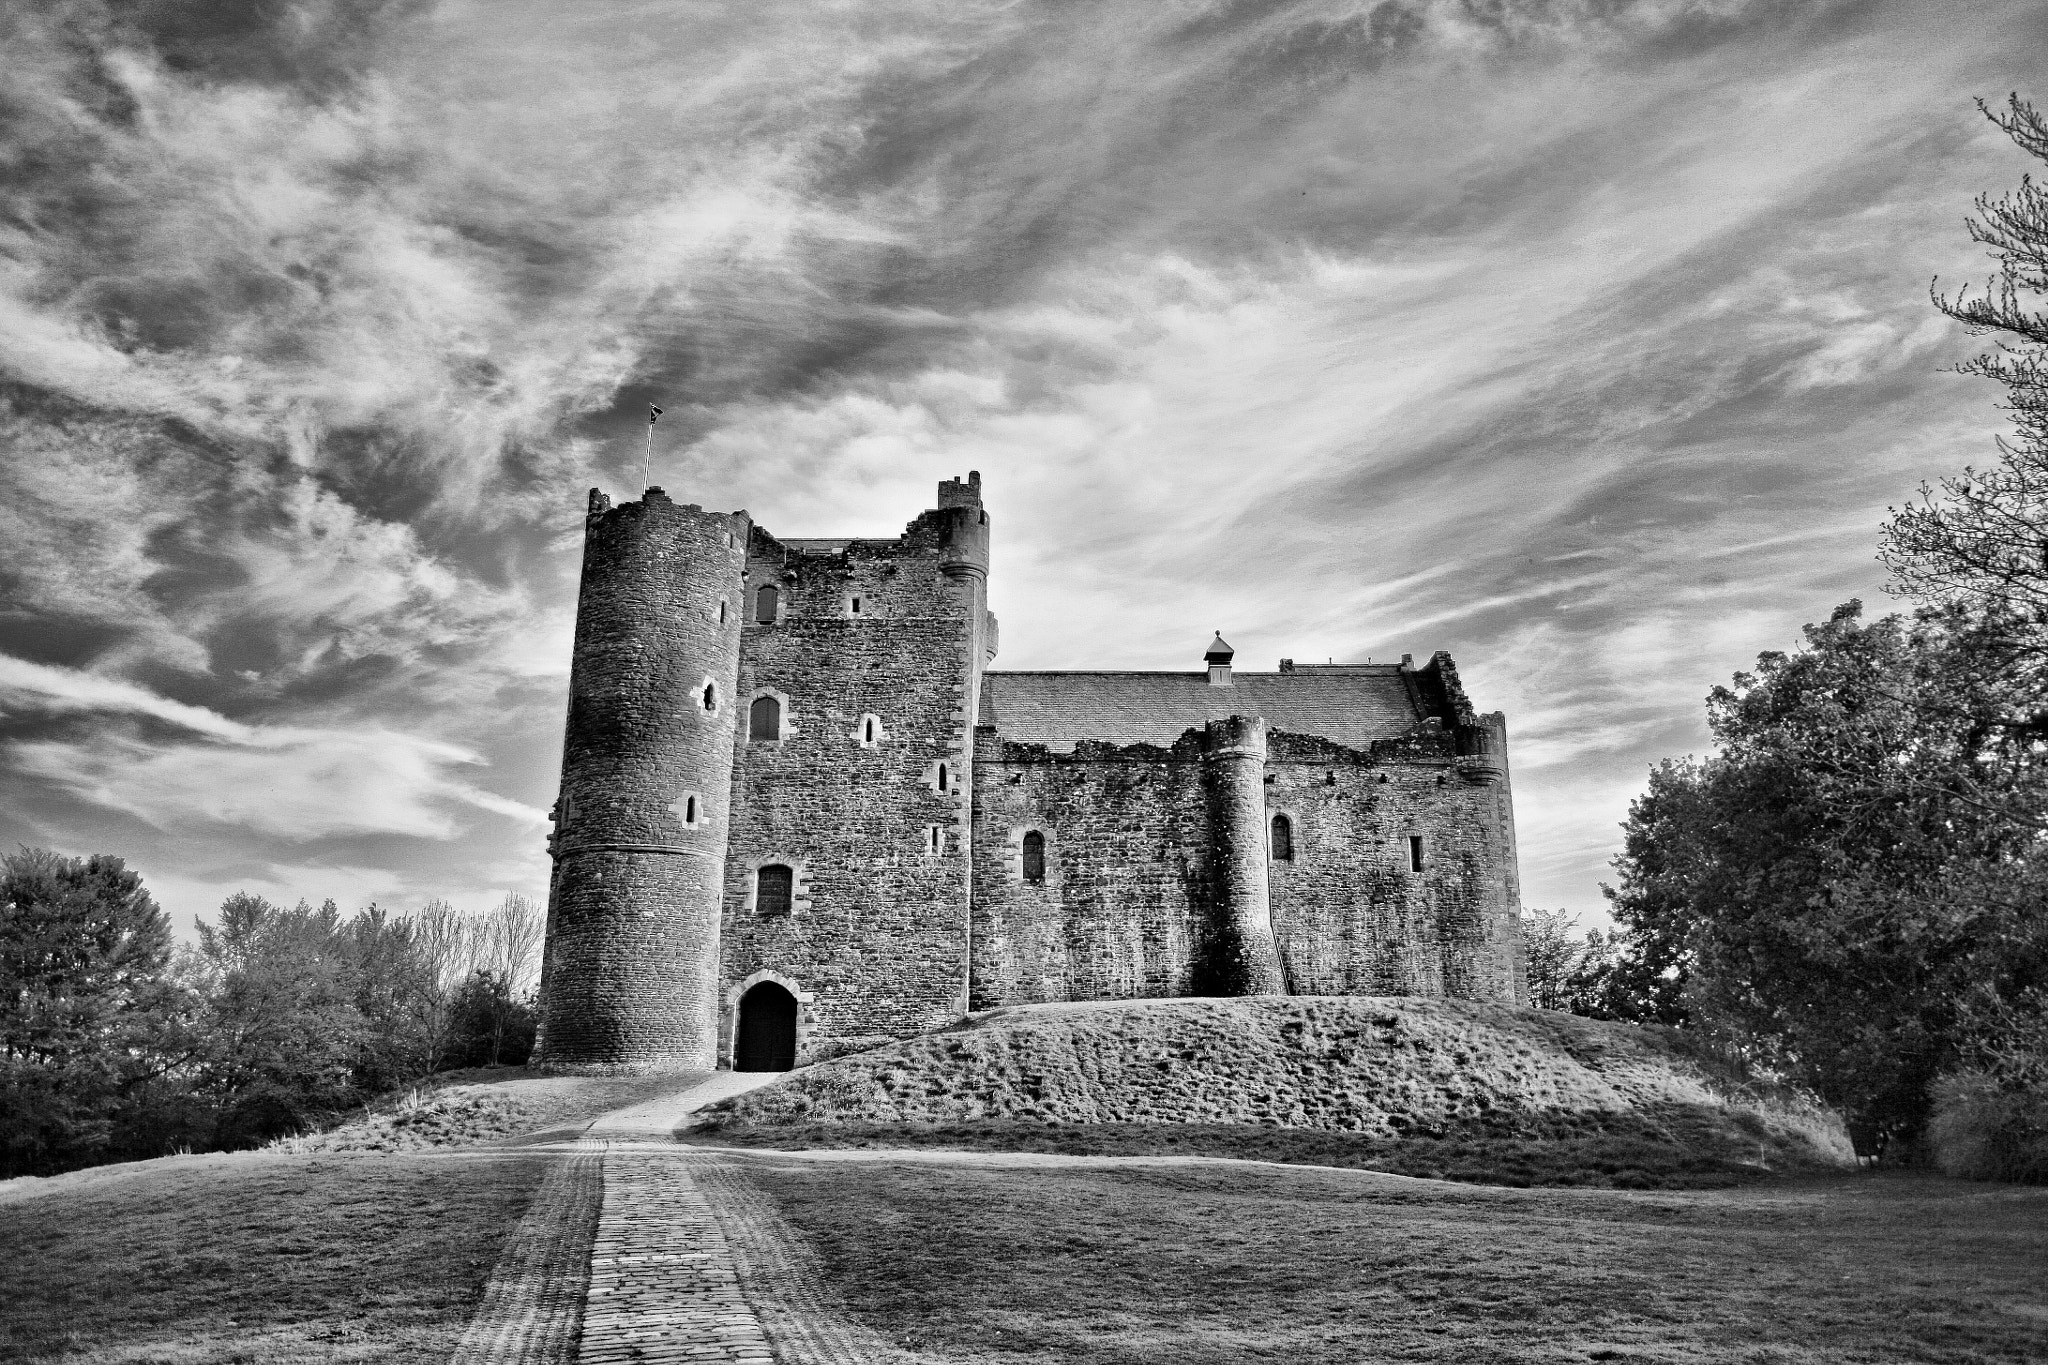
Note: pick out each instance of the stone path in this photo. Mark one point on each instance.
(663, 1286)
(638, 1249)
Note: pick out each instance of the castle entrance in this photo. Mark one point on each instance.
(767, 1033)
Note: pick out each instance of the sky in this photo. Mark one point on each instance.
(1588, 340)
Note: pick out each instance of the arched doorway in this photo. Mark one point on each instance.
(767, 1032)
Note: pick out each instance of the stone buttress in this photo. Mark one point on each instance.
(1239, 958)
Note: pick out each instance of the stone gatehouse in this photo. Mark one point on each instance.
(800, 814)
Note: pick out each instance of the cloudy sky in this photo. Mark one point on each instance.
(1586, 339)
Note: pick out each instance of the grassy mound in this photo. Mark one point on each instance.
(483, 1105)
(1420, 1087)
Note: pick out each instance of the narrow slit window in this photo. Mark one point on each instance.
(1283, 839)
(867, 731)
(764, 719)
(690, 811)
(944, 776)
(774, 889)
(934, 840)
(856, 604)
(721, 611)
(710, 696)
(1034, 856)
(1415, 853)
(765, 603)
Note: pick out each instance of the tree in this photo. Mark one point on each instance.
(1565, 972)
(282, 1025)
(1833, 888)
(88, 1013)
(509, 941)
(446, 941)
(1982, 544)
(492, 1025)
(508, 955)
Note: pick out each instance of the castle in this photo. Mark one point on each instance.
(800, 816)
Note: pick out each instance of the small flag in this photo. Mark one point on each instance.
(653, 414)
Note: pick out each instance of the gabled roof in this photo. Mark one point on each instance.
(1058, 710)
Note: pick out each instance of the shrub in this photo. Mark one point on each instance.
(1987, 1129)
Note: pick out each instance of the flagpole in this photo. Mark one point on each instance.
(647, 460)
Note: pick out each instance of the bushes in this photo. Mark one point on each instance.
(1985, 1128)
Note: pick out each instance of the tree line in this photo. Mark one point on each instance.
(117, 1044)
(1852, 888)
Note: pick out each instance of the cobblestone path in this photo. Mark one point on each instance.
(663, 1286)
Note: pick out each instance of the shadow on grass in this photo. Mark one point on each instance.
(1670, 1148)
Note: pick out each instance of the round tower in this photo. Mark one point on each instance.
(1241, 957)
(630, 975)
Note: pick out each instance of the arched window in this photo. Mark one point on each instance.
(710, 696)
(690, 811)
(867, 731)
(1283, 839)
(945, 777)
(764, 719)
(1034, 856)
(774, 889)
(765, 603)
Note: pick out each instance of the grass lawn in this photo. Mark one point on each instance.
(973, 1259)
(256, 1256)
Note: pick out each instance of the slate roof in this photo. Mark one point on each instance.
(1353, 707)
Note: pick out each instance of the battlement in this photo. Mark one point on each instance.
(954, 493)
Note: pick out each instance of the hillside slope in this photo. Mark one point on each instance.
(1422, 1086)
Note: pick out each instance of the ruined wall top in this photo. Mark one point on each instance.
(954, 493)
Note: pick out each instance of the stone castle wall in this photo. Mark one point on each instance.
(1128, 887)
(888, 633)
(903, 820)
(1135, 891)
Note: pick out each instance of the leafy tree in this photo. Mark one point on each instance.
(1565, 972)
(280, 1018)
(492, 1025)
(393, 985)
(88, 1014)
(1842, 890)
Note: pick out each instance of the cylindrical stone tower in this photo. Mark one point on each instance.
(1240, 958)
(630, 976)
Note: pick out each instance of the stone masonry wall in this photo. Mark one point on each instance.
(1350, 914)
(1127, 891)
(876, 943)
(630, 968)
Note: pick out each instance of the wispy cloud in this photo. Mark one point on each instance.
(1584, 339)
(288, 782)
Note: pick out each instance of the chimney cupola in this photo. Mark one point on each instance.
(1218, 658)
